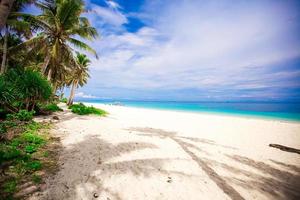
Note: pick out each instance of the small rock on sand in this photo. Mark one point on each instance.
(95, 195)
(55, 117)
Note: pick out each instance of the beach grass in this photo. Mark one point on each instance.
(20, 160)
(82, 109)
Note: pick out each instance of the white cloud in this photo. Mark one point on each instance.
(109, 15)
(84, 95)
(113, 4)
(191, 44)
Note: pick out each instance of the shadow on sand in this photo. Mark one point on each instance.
(274, 184)
(86, 164)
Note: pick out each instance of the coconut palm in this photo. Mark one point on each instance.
(79, 76)
(5, 6)
(15, 24)
(60, 25)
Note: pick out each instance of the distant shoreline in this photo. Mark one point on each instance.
(285, 117)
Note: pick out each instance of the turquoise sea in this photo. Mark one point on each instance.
(285, 111)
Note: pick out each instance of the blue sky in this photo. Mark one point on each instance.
(195, 50)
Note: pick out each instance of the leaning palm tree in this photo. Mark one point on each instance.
(15, 24)
(60, 26)
(79, 76)
(5, 6)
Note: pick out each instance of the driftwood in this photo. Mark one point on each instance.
(285, 148)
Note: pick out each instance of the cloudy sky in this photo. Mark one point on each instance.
(195, 50)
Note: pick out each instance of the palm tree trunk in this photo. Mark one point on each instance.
(3, 64)
(45, 64)
(5, 6)
(72, 93)
(54, 86)
(49, 75)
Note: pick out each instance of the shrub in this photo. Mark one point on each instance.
(22, 115)
(3, 128)
(52, 107)
(33, 126)
(23, 89)
(33, 165)
(30, 149)
(64, 100)
(31, 138)
(8, 152)
(82, 109)
(10, 186)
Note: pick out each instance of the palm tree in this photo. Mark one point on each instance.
(5, 6)
(61, 24)
(17, 24)
(80, 75)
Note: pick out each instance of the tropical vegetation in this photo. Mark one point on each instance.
(24, 155)
(82, 109)
(39, 57)
(39, 54)
(79, 76)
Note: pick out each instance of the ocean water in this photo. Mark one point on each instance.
(283, 111)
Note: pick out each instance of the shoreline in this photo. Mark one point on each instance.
(203, 113)
(243, 129)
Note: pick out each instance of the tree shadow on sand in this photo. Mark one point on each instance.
(86, 164)
(274, 183)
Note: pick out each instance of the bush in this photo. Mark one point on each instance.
(51, 107)
(10, 186)
(22, 115)
(33, 165)
(8, 152)
(82, 109)
(30, 149)
(64, 100)
(23, 89)
(3, 128)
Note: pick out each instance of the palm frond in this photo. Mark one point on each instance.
(82, 45)
(86, 32)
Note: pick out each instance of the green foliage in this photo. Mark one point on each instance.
(46, 154)
(3, 128)
(5, 125)
(30, 149)
(8, 152)
(33, 126)
(20, 157)
(52, 107)
(22, 89)
(82, 109)
(61, 27)
(22, 115)
(34, 86)
(31, 138)
(7, 90)
(64, 100)
(33, 165)
(10, 186)
(20, 148)
(36, 179)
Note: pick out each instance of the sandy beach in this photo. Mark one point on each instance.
(136, 153)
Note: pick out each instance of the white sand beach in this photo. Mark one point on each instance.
(143, 154)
